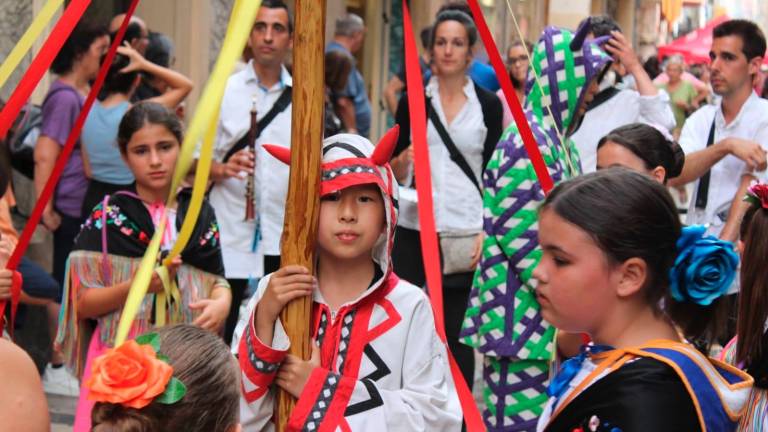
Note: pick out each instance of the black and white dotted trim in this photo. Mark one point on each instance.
(346, 333)
(321, 328)
(351, 169)
(262, 366)
(322, 403)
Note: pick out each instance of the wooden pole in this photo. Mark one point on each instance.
(302, 206)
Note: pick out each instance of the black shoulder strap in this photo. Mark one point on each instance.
(603, 97)
(279, 106)
(456, 155)
(482, 96)
(702, 192)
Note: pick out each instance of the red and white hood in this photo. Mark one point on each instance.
(351, 160)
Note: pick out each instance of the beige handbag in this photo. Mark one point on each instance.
(457, 249)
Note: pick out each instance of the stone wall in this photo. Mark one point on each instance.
(15, 17)
(219, 16)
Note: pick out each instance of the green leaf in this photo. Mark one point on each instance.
(163, 358)
(174, 391)
(151, 339)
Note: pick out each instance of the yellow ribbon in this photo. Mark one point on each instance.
(42, 19)
(167, 302)
(206, 115)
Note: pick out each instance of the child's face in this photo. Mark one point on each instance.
(576, 287)
(351, 221)
(151, 155)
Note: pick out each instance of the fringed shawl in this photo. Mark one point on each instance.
(108, 251)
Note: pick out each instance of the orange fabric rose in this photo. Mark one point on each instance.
(130, 374)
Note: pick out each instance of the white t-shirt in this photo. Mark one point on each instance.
(751, 124)
(458, 205)
(626, 107)
(271, 176)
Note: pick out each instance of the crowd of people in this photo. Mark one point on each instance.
(592, 306)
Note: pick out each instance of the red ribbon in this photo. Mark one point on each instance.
(41, 63)
(429, 246)
(539, 166)
(66, 151)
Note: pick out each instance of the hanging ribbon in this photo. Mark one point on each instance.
(531, 147)
(429, 245)
(204, 120)
(66, 151)
(34, 30)
(41, 63)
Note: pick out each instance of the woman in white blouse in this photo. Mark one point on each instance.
(471, 121)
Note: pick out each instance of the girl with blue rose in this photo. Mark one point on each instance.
(615, 265)
(749, 349)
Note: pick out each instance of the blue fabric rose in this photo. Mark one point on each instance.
(704, 268)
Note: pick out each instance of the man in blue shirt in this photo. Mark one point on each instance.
(352, 104)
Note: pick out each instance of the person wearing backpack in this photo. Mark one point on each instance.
(76, 65)
(463, 129)
(107, 170)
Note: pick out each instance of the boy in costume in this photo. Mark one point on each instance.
(378, 363)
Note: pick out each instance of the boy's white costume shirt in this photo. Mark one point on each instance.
(383, 366)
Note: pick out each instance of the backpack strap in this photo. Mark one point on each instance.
(279, 106)
(718, 391)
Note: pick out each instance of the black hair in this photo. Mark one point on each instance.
(629, 215)
(650, 145)
(78, 43)
(116, 81)
(456, 5)
(280, 4)
(752, 346)
(159, 49)
(602, 25)
(132, 32)
(425, 35)
(147, 113)
(652, 67)
(458, 16)
(752, 38)
(520, 42)
(5, 177)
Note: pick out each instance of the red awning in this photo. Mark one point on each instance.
(695, 46)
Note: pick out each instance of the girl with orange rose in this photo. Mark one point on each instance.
(113, 239)
(136, 388)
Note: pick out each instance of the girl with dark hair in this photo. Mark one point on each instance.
(464, 125)
(76, 65)
(641, 148)
(114, 238)
(749, 349)
(106, 169)
(615, 265)
(198, 359)
(503, 320)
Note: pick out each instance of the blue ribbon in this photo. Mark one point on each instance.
(256, 235)
(570, 368)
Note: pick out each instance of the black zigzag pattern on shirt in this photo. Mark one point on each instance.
(375, 400)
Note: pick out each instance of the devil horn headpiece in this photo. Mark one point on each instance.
(381, 155)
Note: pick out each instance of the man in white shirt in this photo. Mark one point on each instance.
(252, 248)
(613, 107)
(725, 144)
